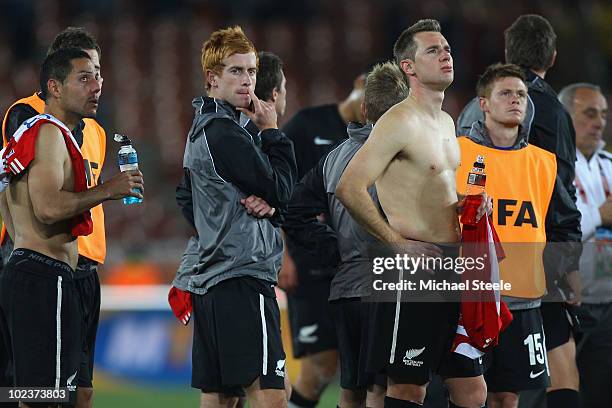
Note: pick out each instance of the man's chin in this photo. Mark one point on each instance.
(243, 104)
(512, 123)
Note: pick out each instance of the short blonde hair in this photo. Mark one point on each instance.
(222, 44)
(386, 86)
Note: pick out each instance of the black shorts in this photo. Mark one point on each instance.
(350, 320)
(310, 320)
(519, 362)
(88, 285)
(237, 338)
(409, 341)
(455, 365)
(556, 323)
(41, 317)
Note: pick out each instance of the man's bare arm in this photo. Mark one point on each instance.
(50, 202)
(364, 169)
(6, 215)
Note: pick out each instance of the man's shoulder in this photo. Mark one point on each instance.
(403, 118)
(49, 127)
(541, 92)
(348, 146)
(400, 113)
(606, 156)
(448, 119)
(221, 128)
(541, 153)
(34, 102)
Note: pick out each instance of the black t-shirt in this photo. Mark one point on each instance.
(314, 132)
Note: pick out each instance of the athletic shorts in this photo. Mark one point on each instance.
(556, 323)
(409, 341)
(41, 317)
(519, 361)
(88, 285)
(237, 338)
(350, 319)
(310, 320)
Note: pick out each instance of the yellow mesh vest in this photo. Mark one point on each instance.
(521, 183)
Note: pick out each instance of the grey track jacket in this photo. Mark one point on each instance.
(224, 164)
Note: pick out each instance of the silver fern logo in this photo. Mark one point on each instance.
(280, 368)
(411, 354)
(69, 382)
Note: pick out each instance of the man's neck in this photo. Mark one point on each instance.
(541, 74)
(502, 136)
(588, 154)
(69, 119)
(429, 100)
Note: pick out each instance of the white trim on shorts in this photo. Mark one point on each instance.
(264, 331)
(58, 333)
(544, 346)
(398, 304)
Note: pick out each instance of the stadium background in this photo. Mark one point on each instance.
(151, 69)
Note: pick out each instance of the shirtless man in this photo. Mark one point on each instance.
(45, 207)
(412, 156)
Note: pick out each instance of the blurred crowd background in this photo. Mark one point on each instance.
(151, 67)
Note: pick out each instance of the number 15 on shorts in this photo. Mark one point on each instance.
(537, 352)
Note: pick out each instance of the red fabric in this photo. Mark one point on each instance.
(21, 150)
(180, 303)
(482, 317)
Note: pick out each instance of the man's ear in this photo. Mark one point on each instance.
(54, 88)
(554, 59)
(364, 111)
(211, 78)
(407, 66)
(274, 95)
(483, 104)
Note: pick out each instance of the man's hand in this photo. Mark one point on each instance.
(263, 114)
(124, 184)
(413, 248)
(287, 277)
(485, 207)
(606, 212)
(416, 249)
(573, 280)
(257, 207)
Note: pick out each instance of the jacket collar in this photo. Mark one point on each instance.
(205, 104)
(598, 150)
(359, 132)
(479, 134)
(535, 82)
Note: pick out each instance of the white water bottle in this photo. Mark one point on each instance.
(127, 160)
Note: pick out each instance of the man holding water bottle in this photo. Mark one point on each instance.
(91, 139)
(45, 206)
